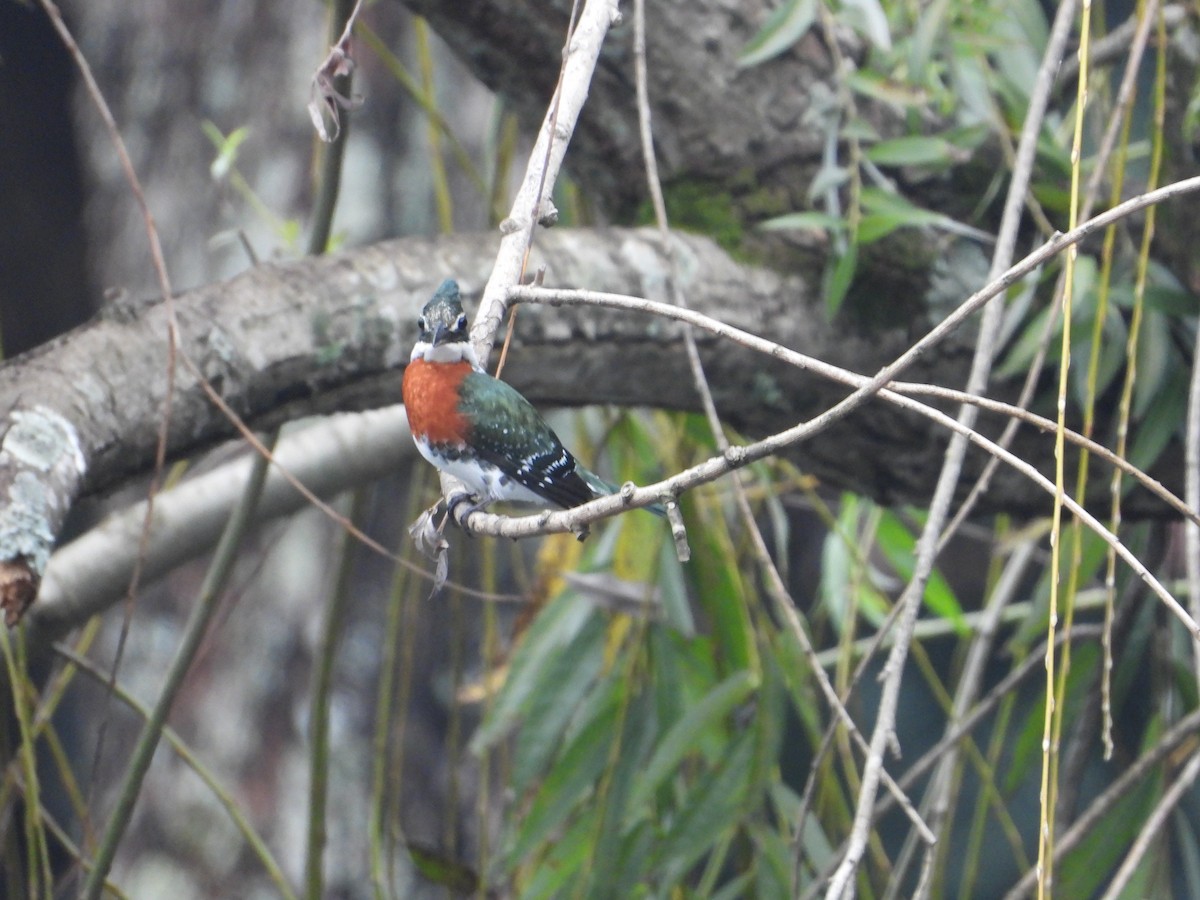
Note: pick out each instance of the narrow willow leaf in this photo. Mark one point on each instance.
(708, 812)
(554, 628)
(1171, 300)
(1023, 31)
(1188, 843)
(899, 545)
(565, 680)
(573, 777)
(810, 220)
(677, 610)
(683, 736)
(442, 870)
(1161, 422)
(885, 90)
(774, 864)
(912, 151)
(828, 178)
(876, 226)
(783, 28)
(969, 80)
(716, 580)
(796, 677)
(1085, 871)
(817, 848)
(1156, 358)
(561, 866)
(613, 845)
(1024, 349)
(737, 888)
(839, 279)
(927, 35)
(868, 19)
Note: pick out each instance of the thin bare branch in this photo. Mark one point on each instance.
(939, 506)
(631, 496)
(545, 160)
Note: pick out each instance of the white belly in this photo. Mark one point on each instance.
(483, 479)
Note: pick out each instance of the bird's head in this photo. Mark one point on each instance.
(442, 328)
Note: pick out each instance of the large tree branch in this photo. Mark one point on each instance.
(325, 334)
(328, 456)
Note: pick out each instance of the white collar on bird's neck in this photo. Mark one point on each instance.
(446, 353)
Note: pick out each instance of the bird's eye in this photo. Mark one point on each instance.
(422, 325)
(461, 322)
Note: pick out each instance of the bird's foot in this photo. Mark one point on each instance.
(455, 501)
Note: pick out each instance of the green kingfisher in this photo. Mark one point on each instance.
(480, 429)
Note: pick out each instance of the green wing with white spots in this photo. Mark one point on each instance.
(507, 431)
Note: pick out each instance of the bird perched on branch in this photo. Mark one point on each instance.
(480, 429)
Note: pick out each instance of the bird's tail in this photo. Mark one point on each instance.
(602, 487)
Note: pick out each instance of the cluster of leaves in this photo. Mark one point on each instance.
(644, 745)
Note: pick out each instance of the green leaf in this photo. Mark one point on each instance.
(783, 28)
(562, 864)
(842, 578)
(810, 220)
(1024, 349)
(563, 682)
(613, 843)
(1188, 843)
(885, 211)
(574, 775)
(683, 736)
(1023, 31)
(737, 888)
(554, 628)
(839, 277)
(708, 812)
(926, 35)
(912, 151)
(677, 610)
(885, 90)
(873, 227)
(899, 546)
(1109, 364)
(1033, 628)
(883, 202)
(868, 19)
(1162, 421)
(815, 843)
(774, 864)
(442, 870)
(1085, 870)
(1174, 301)
(828, 178)
(1052, 196)
(794, 668)
(1156, 357)
(860, 129)
(720, 591)
(969, 81)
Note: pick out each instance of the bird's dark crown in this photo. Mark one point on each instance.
(443, 321)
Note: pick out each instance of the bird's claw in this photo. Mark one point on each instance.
(456, 500)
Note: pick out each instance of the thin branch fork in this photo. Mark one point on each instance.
(584, 40)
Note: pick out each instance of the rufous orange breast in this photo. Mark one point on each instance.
(431, 393)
